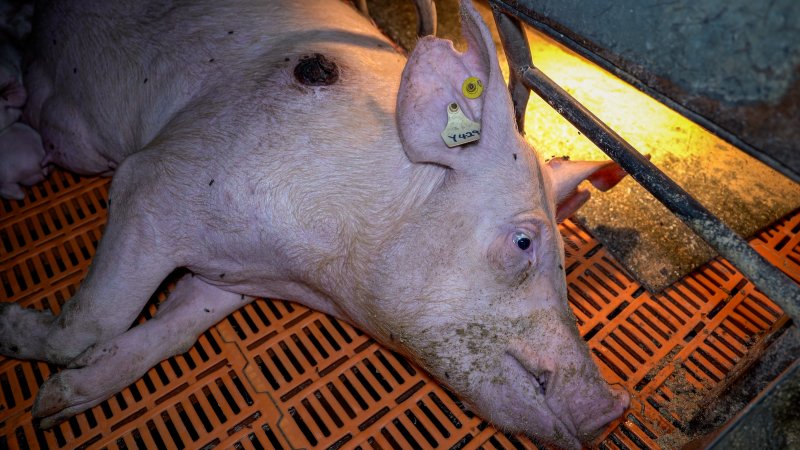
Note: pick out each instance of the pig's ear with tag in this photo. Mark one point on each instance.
(434, 78)
(568, 175)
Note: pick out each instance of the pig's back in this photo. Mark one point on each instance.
(110, 77)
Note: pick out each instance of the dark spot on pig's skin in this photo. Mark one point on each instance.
(446, 375)
(145, 81)
(211, 182)
(230, 32)
(222, 275)
(515, 156)
(286, 60)
(242, 296)
(316, 70)
(206, 310)
(74, 70)
(560, 267)
(211, 60)
(14, 349)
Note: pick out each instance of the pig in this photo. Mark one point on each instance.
(15, 26)
(21, 149)
(21, 154)
(12, 93)
(286, 150)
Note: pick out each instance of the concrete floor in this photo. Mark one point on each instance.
(654, 246)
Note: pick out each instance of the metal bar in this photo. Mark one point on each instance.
(426, 17)
(766, 277)
(361, 5)
(586, 50)
(513, 37)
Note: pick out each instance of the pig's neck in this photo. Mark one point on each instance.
(323, 227)
(361, 278)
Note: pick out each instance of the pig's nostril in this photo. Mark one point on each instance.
(539, 374)
(542, 379)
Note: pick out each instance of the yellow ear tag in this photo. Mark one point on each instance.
(472, 87)
(459, 130)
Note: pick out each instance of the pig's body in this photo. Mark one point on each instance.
(218, 118)
(259, 145)
(21, 152)
(21, 149)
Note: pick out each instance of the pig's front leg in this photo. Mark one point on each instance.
(135, 254)
(108, 367)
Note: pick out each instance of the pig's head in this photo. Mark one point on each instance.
(477, 271)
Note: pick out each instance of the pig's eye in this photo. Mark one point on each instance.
(522, 240)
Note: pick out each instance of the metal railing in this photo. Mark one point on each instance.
(524, 76)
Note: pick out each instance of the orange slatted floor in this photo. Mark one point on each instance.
(277, 375)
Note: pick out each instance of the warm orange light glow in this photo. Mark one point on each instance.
(648, 125)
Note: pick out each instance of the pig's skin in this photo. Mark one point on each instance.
(14, 27)
(261, 185)
(21, 153)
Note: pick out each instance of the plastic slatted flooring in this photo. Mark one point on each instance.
(277, 375)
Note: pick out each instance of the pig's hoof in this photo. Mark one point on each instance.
(93, 376)
(61, 397)
(51, 401)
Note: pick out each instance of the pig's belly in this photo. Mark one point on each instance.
(66, 147)
(68, 139)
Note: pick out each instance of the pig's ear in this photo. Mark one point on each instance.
(433, 79)
(567, 175)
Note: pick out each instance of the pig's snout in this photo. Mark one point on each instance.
(574, 392)
(593, 420)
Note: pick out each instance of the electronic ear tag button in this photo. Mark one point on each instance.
(472, 87)
(459, 130)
